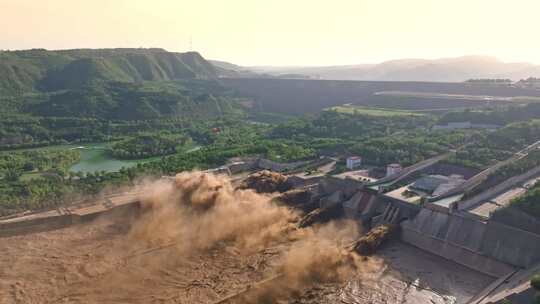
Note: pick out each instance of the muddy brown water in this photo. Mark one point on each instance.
(89, 263)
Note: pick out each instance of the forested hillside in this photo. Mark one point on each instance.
(41, 70)
(51, 97)
(130, 101)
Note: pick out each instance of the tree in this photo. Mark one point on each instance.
(12, 175)
(535, 282)
(28, 166)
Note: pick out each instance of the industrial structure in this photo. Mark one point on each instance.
(353, 162)
(426, 201)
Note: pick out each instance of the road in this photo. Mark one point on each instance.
(482, 176)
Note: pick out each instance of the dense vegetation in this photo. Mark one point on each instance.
(112, 111)
(150, 103)
(497, 116)
(512, 169)
(529, 82)
(530, 202)
(53, 97)
(490, 80)
(29, 178)
(407, 148)
(128, 101)
(535, 283)
(147, 145)
(12, 165)
(220, 138)
(41, 70)
(488, 148)
(379, 140)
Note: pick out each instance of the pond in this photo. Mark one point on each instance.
(94, 157)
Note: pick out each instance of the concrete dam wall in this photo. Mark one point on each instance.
(511, 245)
(297, 96)
(491, 248)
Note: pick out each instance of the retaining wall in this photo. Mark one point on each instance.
(59, 221)
(331, 184)
(37, 225)
(498, 189)
(455, 253)
(514, 217)
(511, 245)
(492, 248)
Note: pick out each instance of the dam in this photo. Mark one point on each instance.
(489, 246)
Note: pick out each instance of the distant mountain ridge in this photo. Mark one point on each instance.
(38, 69)
(439, 70)
(227, 69)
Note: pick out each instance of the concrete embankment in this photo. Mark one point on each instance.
(491, 248)
(455, 238)
(511, 245)
(515, 288)
(64, 217)
(498, 189)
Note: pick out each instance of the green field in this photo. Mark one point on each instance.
(373, 111)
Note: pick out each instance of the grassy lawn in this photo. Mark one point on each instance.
(373, 111)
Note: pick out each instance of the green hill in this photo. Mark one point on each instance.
(41, 70)
(131, 101)
(121, 84)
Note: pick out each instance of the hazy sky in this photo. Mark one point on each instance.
(282, 32)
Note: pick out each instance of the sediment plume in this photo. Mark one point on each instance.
(321, 215)
(300, 199)
(198, 210)
(321, 256)
(266, 182)
(201, 211)
(373, 239)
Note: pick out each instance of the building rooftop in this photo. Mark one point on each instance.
(429, 183)
(404, 194)
(358, 175)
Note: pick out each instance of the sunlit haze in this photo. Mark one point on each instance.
(281, 32)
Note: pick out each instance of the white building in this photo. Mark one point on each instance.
(393, 169)
(353, 162)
